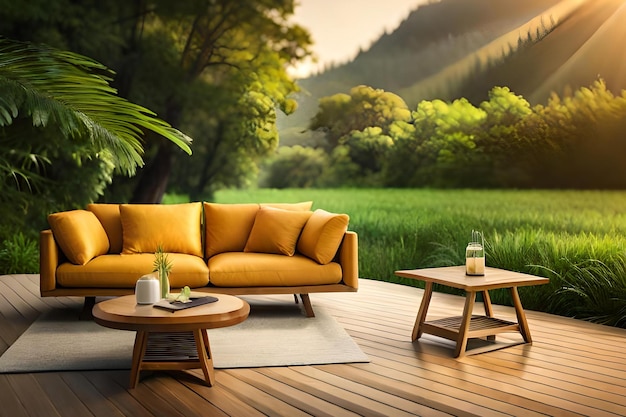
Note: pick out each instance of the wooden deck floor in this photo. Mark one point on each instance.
(572, 368)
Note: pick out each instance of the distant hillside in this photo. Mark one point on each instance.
(583, 44)
(462, 48)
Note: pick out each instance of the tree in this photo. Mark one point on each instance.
(295, 167)
(241, 49)
(581, 139)
(368, 150)
(167, 54)
(58, 106)
(446, 141)
(364, 107)
(506, 156)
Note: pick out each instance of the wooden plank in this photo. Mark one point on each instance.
(302, 400)
(25, 309)
(158, 404)
(31, 396)
(255, 395)
(402, 389)
(118, 394)
(186, 401)
(61, 395)
(10, 404)
(98, 404)
(220, 398)
(348, 390)
(27, 286)
(343, 393)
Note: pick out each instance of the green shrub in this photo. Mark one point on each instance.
(294, 166)
(19, 254)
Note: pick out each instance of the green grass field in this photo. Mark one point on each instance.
(576, 238)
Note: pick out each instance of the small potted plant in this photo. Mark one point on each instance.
(162, 266)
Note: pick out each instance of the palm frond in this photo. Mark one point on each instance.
(73, 93)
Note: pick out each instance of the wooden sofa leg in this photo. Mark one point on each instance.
(85, 314)
(306, 303)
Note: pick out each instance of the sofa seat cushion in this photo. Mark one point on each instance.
(123, 271)
(249, 269)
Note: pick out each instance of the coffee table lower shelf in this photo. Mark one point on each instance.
(172, 351)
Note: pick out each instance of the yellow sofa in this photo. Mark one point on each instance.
(240, 249)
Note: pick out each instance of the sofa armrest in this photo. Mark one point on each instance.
(349, 259)
(49, 253)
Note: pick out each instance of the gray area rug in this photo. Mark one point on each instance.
(276, 335)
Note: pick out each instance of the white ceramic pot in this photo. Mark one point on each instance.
(147, 290)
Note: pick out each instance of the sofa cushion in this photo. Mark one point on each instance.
(240, 269)
(228, 226)
(80, 235)
(302, 206)
(109, 216)
(123, 271)
(322, 234)
(276, 231)
(174, 227)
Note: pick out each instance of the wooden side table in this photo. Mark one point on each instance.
(467, 326)
(168, 340)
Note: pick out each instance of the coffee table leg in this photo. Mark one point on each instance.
(461, 342)
(421, 314)
(524, 329)
(139, 350)
(204, 355)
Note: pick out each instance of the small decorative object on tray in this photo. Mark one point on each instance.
(147, 290)
(174, 305)
(163, 267)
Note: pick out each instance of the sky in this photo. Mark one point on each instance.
(339, 28)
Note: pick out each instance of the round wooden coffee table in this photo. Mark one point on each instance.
(168, 340)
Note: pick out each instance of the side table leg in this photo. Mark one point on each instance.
(421, 314)
(488, 311)
(204, 355)
(461, 342)
(524, 329)
(487, 304)
(139, 350)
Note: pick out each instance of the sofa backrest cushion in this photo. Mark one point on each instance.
(80, 235)
(174, 227)
(228, 226)
(322, 235)
(276, 231)
(109, 216)
(303, 206)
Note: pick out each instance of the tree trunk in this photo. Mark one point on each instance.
(156, 173)
(154, 176)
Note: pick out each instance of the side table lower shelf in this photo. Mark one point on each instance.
(480, 326)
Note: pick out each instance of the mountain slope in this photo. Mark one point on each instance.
(463, 48)
(582, 47)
